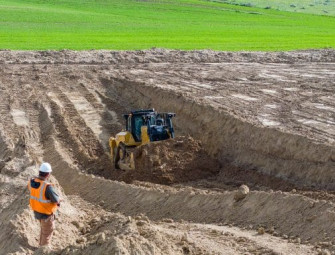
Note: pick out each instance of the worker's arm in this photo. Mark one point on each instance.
(52, 195)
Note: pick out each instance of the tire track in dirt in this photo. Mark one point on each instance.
(74, 133)
(95, 113)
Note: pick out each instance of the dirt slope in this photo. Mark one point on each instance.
(267, 120)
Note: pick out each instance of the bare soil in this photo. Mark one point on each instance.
(173, 161)
(265, 120)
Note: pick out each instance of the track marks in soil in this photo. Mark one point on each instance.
(73, 130)
(87, 112)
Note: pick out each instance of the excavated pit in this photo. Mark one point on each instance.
(261, 119)
(234, 140)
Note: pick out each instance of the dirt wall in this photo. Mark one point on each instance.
(227, 138)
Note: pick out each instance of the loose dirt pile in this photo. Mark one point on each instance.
(261, 119)
(173, 161)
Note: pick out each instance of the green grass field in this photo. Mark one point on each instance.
(183, 24)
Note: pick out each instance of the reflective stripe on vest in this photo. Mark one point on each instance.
(40, 199)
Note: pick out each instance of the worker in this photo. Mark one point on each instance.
(44, 201)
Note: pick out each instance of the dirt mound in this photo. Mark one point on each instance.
(111, 233)
(171, 161)
(105, 57)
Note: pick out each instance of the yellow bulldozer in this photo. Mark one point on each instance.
(142, 127)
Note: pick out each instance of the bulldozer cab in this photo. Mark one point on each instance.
(159, 125)
(133, 126)
(134, 122)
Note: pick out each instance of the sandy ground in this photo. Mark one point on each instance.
(262, 119)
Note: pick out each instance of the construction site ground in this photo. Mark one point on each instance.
(265, 120)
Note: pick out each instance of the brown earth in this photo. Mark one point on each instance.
(261, 119)
(173, 161)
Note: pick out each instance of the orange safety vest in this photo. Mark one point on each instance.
(38, 201)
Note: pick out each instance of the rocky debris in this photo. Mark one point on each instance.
(261, 231)
(101, 238)
(241, 193)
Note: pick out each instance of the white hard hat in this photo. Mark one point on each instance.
(45, 168)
